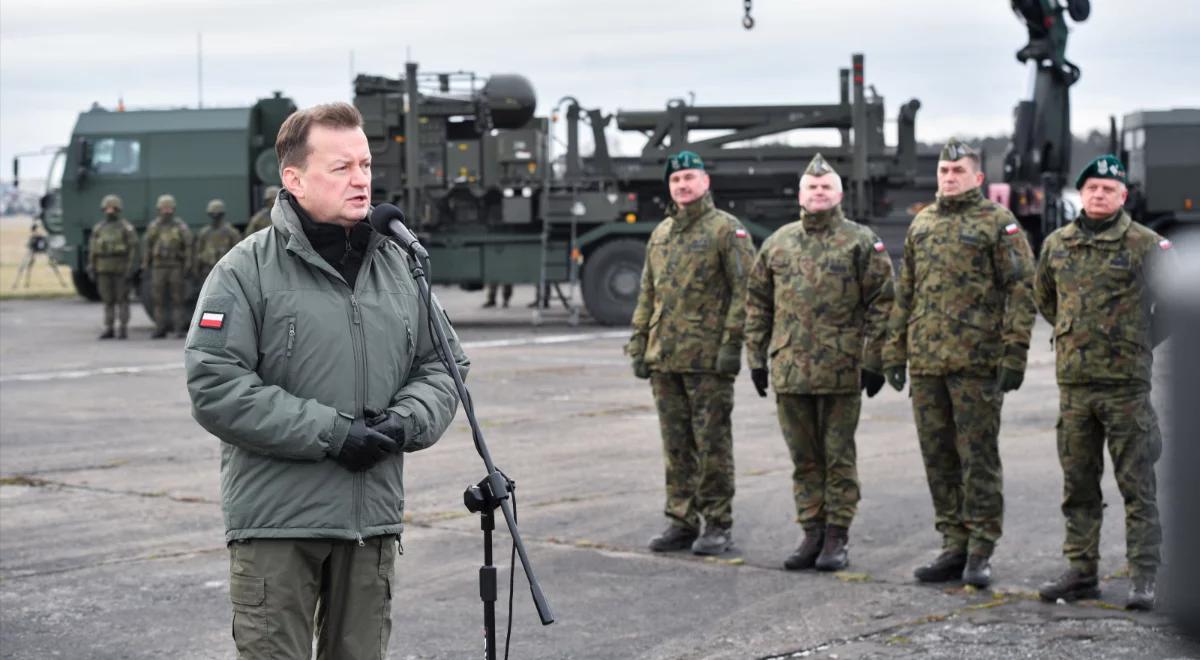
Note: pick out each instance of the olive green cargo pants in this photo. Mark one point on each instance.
(114, 291)
(169, 290)
(819, 432)
(276, 586)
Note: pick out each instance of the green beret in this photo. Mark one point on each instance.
(954, 150)
(684, 160)
(818, 166)
(1107, 166)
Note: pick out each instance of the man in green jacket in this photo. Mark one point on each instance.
(1092, 286)
(816, 313)
(687, 339)
(314, 434)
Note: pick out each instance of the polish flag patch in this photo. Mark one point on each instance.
(1164, 244)
(1012, 228)
(212, 320)
(879, 246)
(740, 233)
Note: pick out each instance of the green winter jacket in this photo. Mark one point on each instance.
(296, 357)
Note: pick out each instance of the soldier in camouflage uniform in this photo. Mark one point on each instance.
(1092, 286)
(167, 257)
(687, 339)
(262, 219)
(112, 259)
(214, 240)
(963, 314)
(817, 304)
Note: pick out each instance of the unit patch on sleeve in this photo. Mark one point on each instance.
(1012, 228)
(879, 246)
(212, 320)
(1164, 244)
(740, 233)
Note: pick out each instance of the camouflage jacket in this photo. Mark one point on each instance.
(817, 304)
(1093, 288)
(112, 247)
(260, 220)
(964, 303)
(693, 290)
(212, 243)
(168, 244)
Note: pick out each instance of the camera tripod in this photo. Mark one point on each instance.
(36, 245)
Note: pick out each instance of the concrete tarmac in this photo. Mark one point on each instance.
(111, 537)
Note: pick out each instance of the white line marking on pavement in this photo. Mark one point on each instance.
(150, 368)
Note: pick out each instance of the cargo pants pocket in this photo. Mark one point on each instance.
(249, 615)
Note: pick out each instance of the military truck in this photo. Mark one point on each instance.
(193, 154)
(1161, 152)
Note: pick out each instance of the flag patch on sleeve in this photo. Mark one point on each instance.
(212, 320)
(879, 246)
(1012, 228)
(1164, 244)
(740, 233)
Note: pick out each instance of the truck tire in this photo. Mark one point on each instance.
(84, 285)
(612, 277)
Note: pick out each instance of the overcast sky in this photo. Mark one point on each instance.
(956, 56)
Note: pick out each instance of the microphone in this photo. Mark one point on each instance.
(389, 221)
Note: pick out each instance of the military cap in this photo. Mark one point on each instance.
(954, 150)
(684, 160)
(818, 166)
(215, 206)
(1107, 166)
(111, 200)
(165, 201)
(270, 193)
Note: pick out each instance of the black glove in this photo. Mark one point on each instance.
(872, 382)
(640, 370)
(364, 447)
(387, 422)
(895, 377)
(1008, 380)
(759, 378)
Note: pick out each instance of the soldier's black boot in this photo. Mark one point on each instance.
(121, 333)
(1072, 585)
(834, 556)
(805, 555)
(978, 572)
(1141, 593)
(713, 541)
(107, 334)
(673, 537)
(159, 333)
(182, 334)
(948, 566)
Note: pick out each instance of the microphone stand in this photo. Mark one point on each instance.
(490, 493)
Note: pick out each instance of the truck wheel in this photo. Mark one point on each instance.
(612, 277)
(84, 285)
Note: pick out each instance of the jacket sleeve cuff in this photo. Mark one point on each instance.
(338, 432)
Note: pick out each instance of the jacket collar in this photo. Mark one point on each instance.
(685, 216)
(960, 202)
(1112, 231)
(821, 220)
(286, 220)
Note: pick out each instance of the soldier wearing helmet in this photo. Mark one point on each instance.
(111, 261)
(262, 219)
(214, 240)
(168, 258)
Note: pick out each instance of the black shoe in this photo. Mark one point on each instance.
(1141, 593)
(107, 334)
(805, 555)
(1071, 585)
(673, 537)
(948, 566)
(181, 334)
(489, 304)
(714, 541)
(834, 556)
(159, 334)
(121, 334)
(978, 572)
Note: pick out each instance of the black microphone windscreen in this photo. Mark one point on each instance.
(382, 216)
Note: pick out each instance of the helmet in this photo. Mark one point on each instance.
(111, 200)
(165, 201)
(270, 193)
(215, 206)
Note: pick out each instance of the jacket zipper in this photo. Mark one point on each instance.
(291, 342)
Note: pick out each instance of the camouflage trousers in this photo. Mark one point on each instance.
(1122, 414)
(819, 431)
(168, 288)
(114, 292)
(958, 422)
(694, 414)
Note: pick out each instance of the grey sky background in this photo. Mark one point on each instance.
(956, 56)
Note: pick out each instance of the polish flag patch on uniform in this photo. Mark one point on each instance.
(1164, 244)
(1012, 228)
(879, 246)
(740, 233)
(212, 320)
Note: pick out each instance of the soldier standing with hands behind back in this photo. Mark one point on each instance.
(963, 314)
(816, 309)
(214, 240)
(687, 339)
(112, 258)
(168, 258)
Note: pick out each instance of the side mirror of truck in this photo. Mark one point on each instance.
(83, 159)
